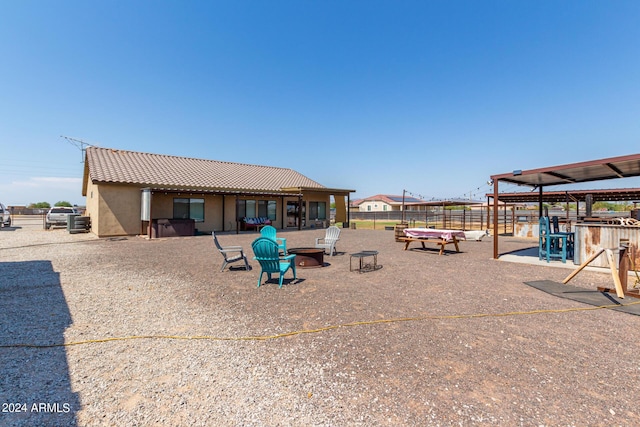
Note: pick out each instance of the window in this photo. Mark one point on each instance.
(262, 208)
(384, 207)
(368, 207)
(188, 209)
(267, 208)
(317, 210)
(271, 209)
(250, 209)
(256, 208)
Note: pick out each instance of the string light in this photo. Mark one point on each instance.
(477, 193)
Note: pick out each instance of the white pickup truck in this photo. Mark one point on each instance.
(58, 216)
(5, 216)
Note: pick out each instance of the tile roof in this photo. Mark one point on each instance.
(157, 170)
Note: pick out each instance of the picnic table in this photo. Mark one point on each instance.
(432, 235)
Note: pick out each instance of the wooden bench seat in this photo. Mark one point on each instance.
(441, 242)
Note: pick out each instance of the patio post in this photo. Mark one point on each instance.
(495, 218)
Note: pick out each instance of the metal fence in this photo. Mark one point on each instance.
(448, 218)
(474, 219)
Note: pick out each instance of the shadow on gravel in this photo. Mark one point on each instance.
(35, 386)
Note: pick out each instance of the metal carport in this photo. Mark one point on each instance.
(573, 173)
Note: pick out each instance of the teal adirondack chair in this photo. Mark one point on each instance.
(267, 253)
(270, 233)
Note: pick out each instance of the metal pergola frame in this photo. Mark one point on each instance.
(573, 173)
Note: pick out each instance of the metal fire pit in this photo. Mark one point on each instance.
(308, 257)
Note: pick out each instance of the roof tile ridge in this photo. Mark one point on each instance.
(192, 158)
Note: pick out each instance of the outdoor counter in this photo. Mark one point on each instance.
(590, 237)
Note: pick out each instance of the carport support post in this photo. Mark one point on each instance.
(237, 222)
(504, 214)
(489, 213)
(495, 218)
(299, 212)
(348, 209)
(540, 202)
(150, 226)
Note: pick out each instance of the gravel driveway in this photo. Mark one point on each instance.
(156, 335)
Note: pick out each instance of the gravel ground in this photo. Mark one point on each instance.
(397, 346)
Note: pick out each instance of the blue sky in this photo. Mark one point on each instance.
(431, 97)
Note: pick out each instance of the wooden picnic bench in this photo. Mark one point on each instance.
(441, 242)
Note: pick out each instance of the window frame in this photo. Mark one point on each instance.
(266, 206)
(190, 203)
(315, 206)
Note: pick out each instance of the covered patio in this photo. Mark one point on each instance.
(573, 173)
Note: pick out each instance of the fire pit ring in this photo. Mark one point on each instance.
(308, 257)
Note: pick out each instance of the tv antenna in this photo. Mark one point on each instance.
(78, 143)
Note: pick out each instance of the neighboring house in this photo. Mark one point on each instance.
(387, 202)
(128, 191)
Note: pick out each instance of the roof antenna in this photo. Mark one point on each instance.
(78, 143)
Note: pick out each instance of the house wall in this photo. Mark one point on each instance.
(91, 208)
(230, 223)
(162, 207)
(115, 209)
(377, 206)
(231, 208)
(315, 197)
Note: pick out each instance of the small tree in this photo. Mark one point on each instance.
(40, 205)
(63, 204)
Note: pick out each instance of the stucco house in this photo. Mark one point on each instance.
(130, 193)
(387, 202)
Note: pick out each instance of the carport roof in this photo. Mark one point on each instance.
(610, 195)
(572, 173)
(595, 170)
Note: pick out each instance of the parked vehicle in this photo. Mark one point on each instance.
(58, 216)
(5, 216)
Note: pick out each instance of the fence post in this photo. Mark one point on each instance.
(505, 219)
(513, 221)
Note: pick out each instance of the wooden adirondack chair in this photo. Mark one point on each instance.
(332, 235)
(228, 253)
(267, 253)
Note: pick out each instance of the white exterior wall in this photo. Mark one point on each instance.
(377, 206)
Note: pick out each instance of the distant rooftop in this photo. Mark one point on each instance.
(390, 199)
